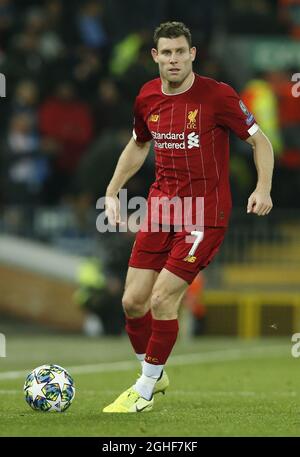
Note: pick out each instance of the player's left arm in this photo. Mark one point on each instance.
(260, 201)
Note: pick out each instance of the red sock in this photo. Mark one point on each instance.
(163, 338)
(139, 331)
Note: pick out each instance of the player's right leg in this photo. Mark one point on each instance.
(136, 304)
(138, 287)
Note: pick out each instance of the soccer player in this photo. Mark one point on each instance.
(188, 117)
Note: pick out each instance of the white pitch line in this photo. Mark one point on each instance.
(182, 359)
(198, 393)
(9, 392)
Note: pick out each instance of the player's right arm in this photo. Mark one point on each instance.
(129, 163)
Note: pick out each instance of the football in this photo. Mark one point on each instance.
(49, 388)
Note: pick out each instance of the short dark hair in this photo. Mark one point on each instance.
(172, 30)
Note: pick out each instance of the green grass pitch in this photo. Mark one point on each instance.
(219, 387)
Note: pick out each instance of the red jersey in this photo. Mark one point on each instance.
(191, 141)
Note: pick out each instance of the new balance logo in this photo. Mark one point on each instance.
(193, 140)
(150, 359)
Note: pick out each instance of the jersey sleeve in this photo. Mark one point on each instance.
(231, 112)
(140, 131)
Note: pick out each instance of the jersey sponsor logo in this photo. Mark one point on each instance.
(157, 136)
(167, 136)
(192, 119)
(154, 118)
(193, 140)
(247, 113)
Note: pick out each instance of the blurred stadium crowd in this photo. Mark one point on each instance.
(73, 69)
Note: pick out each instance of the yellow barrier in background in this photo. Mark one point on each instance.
(250, 305)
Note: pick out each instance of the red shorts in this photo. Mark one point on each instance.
(170, 250)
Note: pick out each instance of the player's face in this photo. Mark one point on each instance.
(174, 58)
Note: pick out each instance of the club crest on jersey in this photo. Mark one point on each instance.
(154, 118)
(192, 119)
(190, 259)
